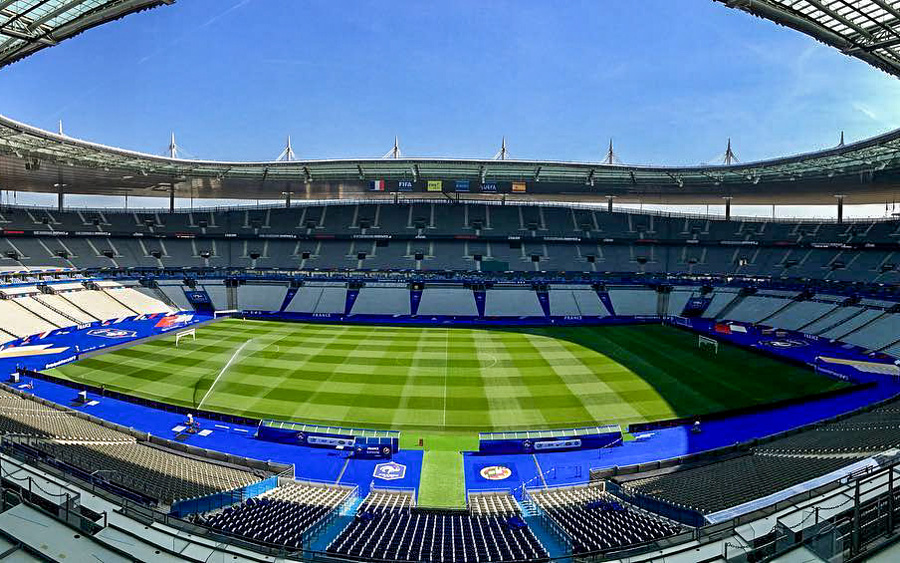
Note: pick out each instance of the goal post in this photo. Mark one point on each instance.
(707, 342)
(224, 313)
(184, 334)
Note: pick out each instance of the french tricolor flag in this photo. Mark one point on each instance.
(377, 185)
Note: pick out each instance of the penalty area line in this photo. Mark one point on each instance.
(216, 380)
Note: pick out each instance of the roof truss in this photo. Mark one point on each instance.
(866, 29)
(26, 26)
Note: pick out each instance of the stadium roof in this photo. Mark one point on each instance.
(866, 172)
(27, 26)
(32, 159)
(866, 29)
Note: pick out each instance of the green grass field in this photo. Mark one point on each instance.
(443, 385)
(433, 381)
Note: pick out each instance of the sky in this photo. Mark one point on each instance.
(669, 82)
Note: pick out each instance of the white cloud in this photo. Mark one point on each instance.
(865, 111)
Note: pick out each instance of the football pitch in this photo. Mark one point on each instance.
(436, 380)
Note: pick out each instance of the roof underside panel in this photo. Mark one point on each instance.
(26, 26)
(866, 29)
(35, 160)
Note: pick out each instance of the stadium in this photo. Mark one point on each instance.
(447, 359)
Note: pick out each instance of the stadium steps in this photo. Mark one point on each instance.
(790, 303)
(821, 317)
(723, 313)
(834, 324)
(119, 301)
(164, 298)
(893, 345)
(343, 470)
(527, 507)
(28, 312)
(863, 326)
(57, 311)
(331, 530)
(549, 538)
(6, 336)
(540, 471)
(72, 303)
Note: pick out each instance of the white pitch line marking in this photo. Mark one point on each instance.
(446, 372)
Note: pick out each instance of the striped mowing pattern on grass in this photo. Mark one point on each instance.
(446, 379)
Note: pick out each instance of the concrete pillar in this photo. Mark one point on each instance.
(287, 199)
(609, 202)
(840, 209)
(60, 197)
(728, 199)
(172, 198)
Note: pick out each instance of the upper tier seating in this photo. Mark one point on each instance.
(442, 217)
(430, 255)
(692, 244)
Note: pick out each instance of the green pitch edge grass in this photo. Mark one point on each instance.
(442, 483)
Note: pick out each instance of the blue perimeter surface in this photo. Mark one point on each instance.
(556, 468)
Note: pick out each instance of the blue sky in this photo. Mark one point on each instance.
(669, 81)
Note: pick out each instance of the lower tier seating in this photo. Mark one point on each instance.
(596, 521)
(25, 418)
(388, 529)
(281, 516)
(724, 484)
(151, 471)
(775, 465)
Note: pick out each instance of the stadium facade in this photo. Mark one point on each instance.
(748, 411)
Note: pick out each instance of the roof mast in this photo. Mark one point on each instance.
(287, 155)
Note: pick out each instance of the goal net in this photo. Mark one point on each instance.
(706, 343)
(192, 333)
